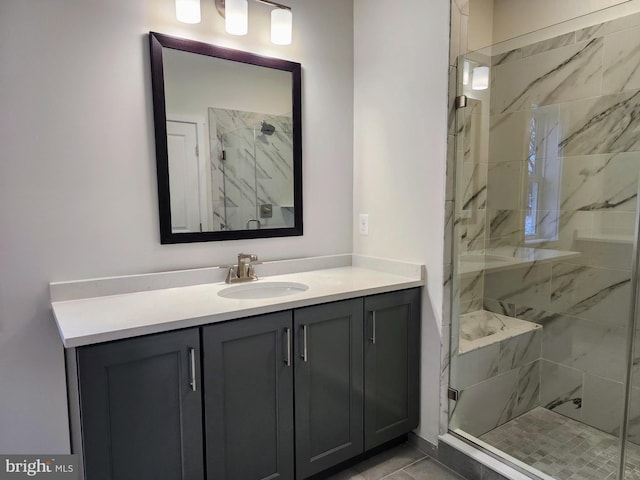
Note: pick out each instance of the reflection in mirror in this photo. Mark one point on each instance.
(227, 141)
(252, 166)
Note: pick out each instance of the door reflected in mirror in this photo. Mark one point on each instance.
(227, 141)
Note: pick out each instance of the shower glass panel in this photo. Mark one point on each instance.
(547, 167)
(251, 170)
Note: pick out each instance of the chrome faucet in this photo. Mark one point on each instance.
(243, 271)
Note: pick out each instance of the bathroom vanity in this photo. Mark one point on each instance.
(257, 388)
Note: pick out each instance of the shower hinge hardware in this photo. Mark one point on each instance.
(453, 394)
(461, 101)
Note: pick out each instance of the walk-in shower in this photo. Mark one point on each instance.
(544, 218)
(251, 169)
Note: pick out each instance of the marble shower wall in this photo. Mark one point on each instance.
(571, 105)
(251, 158)
(497, 383)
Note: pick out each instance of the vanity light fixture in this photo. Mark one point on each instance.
(236, 20)
(281, 25)
(480, 78)
(188, 11)
(236, 15)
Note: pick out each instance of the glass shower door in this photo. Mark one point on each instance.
(547, 166)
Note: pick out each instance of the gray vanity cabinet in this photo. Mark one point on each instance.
(391, 365)
(248, 398)
(284, 395)
(328, 385)
(141, 410)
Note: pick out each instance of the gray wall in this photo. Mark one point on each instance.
(400, 133)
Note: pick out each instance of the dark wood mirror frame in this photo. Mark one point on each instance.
(159, 41)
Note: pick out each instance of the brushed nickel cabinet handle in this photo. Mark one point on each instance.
(373, 327)
(287, 359)
(192, 368)
(305, 352)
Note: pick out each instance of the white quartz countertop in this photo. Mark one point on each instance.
(95, 319)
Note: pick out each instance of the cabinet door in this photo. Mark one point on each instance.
(248, 398)
(328, 385)
(392, 365)
(141, 409)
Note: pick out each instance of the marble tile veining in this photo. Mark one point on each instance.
(560, 75)
(550, 44)
(561, 389)
(505, 227)
(604, 124)
(622, 61)
(528, 388)
(609, 27)
(597, 294)
(527, 285)
(586, 345)
(599, 182)
(510, 56)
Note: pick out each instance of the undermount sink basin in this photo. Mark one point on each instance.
(263, 290)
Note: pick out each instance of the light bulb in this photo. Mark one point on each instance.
(281, 26)
(480, 78)
(188, 11)
(465, 73)
(236, 16)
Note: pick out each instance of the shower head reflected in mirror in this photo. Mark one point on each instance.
(267, 128)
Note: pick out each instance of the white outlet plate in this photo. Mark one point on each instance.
(363, 224)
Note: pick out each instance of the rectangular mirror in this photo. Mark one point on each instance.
(228, 142)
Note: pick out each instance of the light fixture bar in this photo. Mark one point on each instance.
(274, 4)
(236, 13)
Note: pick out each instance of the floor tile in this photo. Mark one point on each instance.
(388, 462)
(428, 469)
(399, 475)
(562, 447)
(348, 474)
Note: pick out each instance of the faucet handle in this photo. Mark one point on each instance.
(231, 274)
(246, 258)
(251, 273)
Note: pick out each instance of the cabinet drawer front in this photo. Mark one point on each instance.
(141, 418)
(392, 365)
(328, 385)
(249, 398)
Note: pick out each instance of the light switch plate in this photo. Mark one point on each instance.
(363, 224)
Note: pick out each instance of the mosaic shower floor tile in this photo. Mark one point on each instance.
(562, 447)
